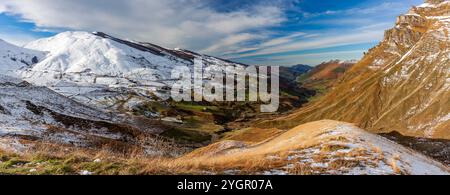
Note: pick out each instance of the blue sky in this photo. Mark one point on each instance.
(262, 32)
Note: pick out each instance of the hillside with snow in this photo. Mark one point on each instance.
(317, 148)
(13, 58)
(89, 56)
(31, 116)
(92, 58)
(27, 110)
(102, 70)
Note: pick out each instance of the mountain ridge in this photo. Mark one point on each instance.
(400, 85)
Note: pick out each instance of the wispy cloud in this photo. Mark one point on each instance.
(346, 27)
(309, 58)
(232, 43)
(189, 23)
(282, 40)
(317, 42)
(393, 7)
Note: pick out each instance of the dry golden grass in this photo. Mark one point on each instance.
(339, 164)
(58, 159)
(394, 166)
(301, 169)
(253, 134)
(305, 150)
(253, 157)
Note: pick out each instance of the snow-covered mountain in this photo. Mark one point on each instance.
(84, 57)
(13, 58)
(68, 89)
(102, 70)
(90, 57)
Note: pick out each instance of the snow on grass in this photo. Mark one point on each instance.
(409, 161)
(41, 113)
(330, 147)
(13, 57)
(12, 145)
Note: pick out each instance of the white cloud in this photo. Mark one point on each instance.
(309, 58)
(231, 43)
(173, 23)
(383, 8)
(2, 8)
(282, 40)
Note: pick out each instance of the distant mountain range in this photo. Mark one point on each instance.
(325, 75)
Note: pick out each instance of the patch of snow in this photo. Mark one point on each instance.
(85, 172)
(275, 172)
(427, 5)
(172, 120)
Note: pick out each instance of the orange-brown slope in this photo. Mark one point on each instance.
(400, 85)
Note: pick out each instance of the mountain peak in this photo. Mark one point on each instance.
(339, 61)
(434, 1)
(433, 4)
(99, 54)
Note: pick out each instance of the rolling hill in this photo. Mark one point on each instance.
(321, 147)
